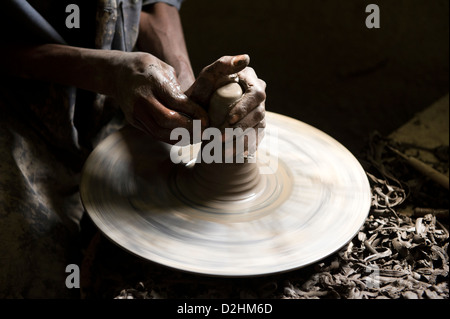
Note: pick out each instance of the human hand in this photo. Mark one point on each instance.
(246, 112)
(151, 98)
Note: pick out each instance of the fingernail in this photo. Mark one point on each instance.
(240, 60)
(234, 119)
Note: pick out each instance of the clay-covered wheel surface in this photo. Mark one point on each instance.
(314, 199)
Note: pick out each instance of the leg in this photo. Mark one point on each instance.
(40, 211)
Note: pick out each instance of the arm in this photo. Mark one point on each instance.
(145, 87)
(67, 65)
(161, 34)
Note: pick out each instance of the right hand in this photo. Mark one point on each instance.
(249, 110)
(151, 98)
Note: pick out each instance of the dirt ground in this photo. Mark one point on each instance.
(323, 65)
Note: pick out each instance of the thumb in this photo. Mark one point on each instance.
(227, 65)
(214, 76)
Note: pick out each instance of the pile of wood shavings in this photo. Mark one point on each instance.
(393, 256)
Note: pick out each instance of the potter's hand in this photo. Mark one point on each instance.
(249, 110)
(146, 88)
(151, 98)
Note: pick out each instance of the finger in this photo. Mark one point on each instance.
(153, 111)
(179, 102)
(226, 65)
(252, 118)
(254, 95)
(248, 79)
(168, 92)
(248, 143)
(260, 132)
(238, 130)
(152, 128)
(216, 75)
(160, 122)
(252, 143)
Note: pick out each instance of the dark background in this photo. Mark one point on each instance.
(323, 66)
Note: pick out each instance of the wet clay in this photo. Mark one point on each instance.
(221, 103)
(225, 181)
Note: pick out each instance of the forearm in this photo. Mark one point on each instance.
(83, 68)
(161, 34)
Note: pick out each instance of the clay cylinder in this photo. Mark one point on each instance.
(233, 181)
(222, 101)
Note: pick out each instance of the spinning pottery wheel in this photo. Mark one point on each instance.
(304, 198)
